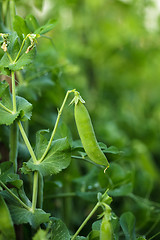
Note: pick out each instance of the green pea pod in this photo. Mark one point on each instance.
(87, 135)
(106, 228)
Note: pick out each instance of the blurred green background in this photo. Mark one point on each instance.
(110, 52)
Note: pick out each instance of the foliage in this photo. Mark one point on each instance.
(108, 52)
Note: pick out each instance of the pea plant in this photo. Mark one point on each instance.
(50, 154)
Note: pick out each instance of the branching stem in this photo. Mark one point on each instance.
(14, 195)
(22, 45)
(86, 220)
(56, 125)
(25, 138)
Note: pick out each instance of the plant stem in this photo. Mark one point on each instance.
(40, 190)
(35, 191)
(14, 144)
(18, 54)
(9, 56)
(27, 142)
(14, 93)
(12, 13)
(56, 125)
(14, 195)
(86, 220)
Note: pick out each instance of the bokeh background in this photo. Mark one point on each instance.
(110, 52)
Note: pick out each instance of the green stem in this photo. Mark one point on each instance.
(155, 235)
(86, 220)
(35, 191)
(9, 56)
(56, 125)
(27, 142)
(8, 110)
(14, 144)
(22, 45)
(14, 195)
(40, 190)
(12, 13)
(14, 93)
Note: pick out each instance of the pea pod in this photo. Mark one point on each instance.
(106, 228)
(86, 133)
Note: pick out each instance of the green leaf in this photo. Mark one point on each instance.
(58, 230)
(40, 235)
(13, 46)
(21, 215)
(111, 149)
(8, 176)
(115, 226)
(4, 63)
(57, 159)
(31, 22)
(20, 26)
(41, 142)
(23, 106)
(123, 190)
(96, 225)
(81, 238)
(29, 89)
(12, 49)
(24, 60)
(127, 222)
(93, 235)
(6, 225)
(88, 196)
(47, 27)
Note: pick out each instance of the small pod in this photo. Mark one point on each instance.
(87, 135)
(106, 228)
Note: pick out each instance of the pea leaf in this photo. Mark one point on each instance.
(93, 235)
(23, 106)
(24, 60)
(81, 238)
(59, 230)
(47, 27)
(97, 225)
(31, 22)
(13, 46)
(58, 157)
(8, 176)
(123, 190)
(127, 222)
(20, 26)
(22, 215)
(40, 235)
(6, 224)
(30, 90)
